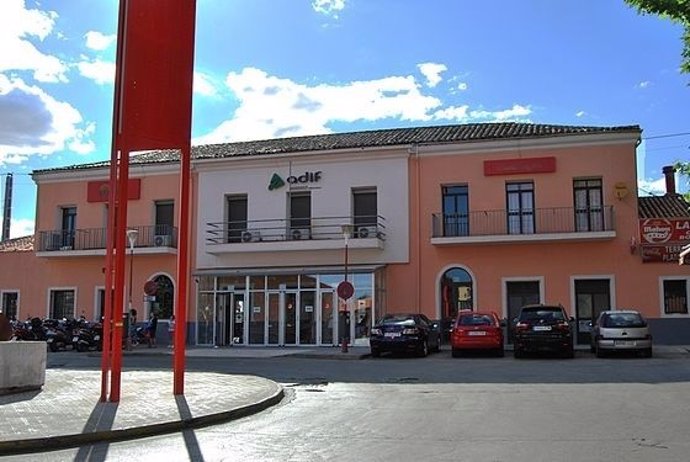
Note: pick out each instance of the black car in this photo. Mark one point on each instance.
(405, 333)
(543, 328)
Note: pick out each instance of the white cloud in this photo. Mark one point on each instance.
(432, 72)
(328, 7)
(650, 187)
(462, 86)
(203, 85)
(580, 113)
(101, 72)
(17, 25)
(644, 84)
(21, 227)
(33, 122)
(271, 107)
(98, 41)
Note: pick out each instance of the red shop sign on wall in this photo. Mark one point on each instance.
(661, 253)
(658, 231)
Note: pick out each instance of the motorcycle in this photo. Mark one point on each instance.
(59, 334)
(88, 336)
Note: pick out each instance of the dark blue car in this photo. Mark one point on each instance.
(405, 333)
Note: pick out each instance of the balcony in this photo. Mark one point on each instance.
(315, 233)
(538, 225)
(152, 239)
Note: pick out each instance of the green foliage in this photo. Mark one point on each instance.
(683, 168)
(675, 10)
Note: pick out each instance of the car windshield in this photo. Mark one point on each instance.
(397, 319)
(623, 320)
(475, 320)
(530, 314)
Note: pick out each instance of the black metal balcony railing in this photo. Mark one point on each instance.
(95, 238)
(537, 221)
(293, 229)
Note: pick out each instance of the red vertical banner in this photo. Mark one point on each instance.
(152, 110)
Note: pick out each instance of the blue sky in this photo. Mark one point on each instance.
(352, 65)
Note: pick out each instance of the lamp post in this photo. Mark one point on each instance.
(132, 238)
(345, 289)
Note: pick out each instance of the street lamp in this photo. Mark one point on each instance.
(345, 289)
(132, 238)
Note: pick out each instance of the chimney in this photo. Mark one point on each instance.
(669, 172)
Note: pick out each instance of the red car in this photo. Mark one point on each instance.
(477, 331)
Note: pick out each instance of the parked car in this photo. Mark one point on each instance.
(477, 331)
(544, 328)
(621, 330)
(405, 333)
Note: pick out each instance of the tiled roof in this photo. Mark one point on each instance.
(19, 244)
(671, 206)
(364, 139)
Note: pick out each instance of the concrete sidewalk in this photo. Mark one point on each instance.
(67, 411)
(326, 352)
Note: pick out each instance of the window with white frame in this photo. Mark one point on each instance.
(675, 296)
(62, 304)
(9, 305)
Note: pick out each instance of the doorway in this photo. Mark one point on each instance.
(230, 318)
(592, 296)
(282, 318)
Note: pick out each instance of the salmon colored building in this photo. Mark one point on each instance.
(427, 219)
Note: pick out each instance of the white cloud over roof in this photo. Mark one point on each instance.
(98, 41)
(328, 7)
(432, 72)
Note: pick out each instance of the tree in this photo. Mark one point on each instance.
(683, 168)
(677, 11)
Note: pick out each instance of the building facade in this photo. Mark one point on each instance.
(428, 219)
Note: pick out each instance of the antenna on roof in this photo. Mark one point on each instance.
(7, 209)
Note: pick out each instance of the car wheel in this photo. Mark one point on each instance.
(456, 353)
(569, 353)
(518, 353)
(500, 352)
(599, 352)
(424, 349)
(647, 352)
(375, 353)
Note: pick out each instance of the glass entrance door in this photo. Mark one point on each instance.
(519, 293)
(328, 318)
(592, 296)
(273, 323)
(290, 317)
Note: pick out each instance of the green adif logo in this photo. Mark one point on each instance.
(276, 182)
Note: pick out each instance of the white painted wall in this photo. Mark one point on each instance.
(387, 171)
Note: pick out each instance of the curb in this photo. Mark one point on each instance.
(53, 443)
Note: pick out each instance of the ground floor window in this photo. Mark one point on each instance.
(675, 296)
(10, 305)
(62, 304)
(286, 309)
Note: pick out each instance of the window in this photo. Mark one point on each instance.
(69, 226)
(300, 215)
(62, 304)
(365, 212)
(520, 207)
(9, 305)
(455, 211)
(589, 215)
(237, 218)
(165, 218)
(675, 296)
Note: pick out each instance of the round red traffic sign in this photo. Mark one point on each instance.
(345, 290)
(150, 288)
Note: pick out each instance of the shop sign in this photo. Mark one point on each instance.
(98, 191)
(661, 253)
(520, 166)
(658, 231)
(305, 179)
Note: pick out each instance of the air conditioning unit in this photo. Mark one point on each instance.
(297, 234)
(251, 235)
(162, 240)
(364, 232)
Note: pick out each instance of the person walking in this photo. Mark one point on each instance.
(153, 326)
(171, 332)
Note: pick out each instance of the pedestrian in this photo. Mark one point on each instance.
(171, 331)
(153, 326)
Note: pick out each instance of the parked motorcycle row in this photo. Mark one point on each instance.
(61, 334)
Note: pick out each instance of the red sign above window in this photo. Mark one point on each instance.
(520, 166)
(97, 191)
(665, 230)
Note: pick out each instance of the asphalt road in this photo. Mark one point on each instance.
(436, 409)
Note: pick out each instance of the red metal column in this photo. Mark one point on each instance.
(182, 272)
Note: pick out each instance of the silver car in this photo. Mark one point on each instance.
(621, 330)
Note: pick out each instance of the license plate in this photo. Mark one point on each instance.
(624, 342)
(96, 337)
(477, 332)
(541, 328)
(392, 334)
(75, 339)
(50, 340)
